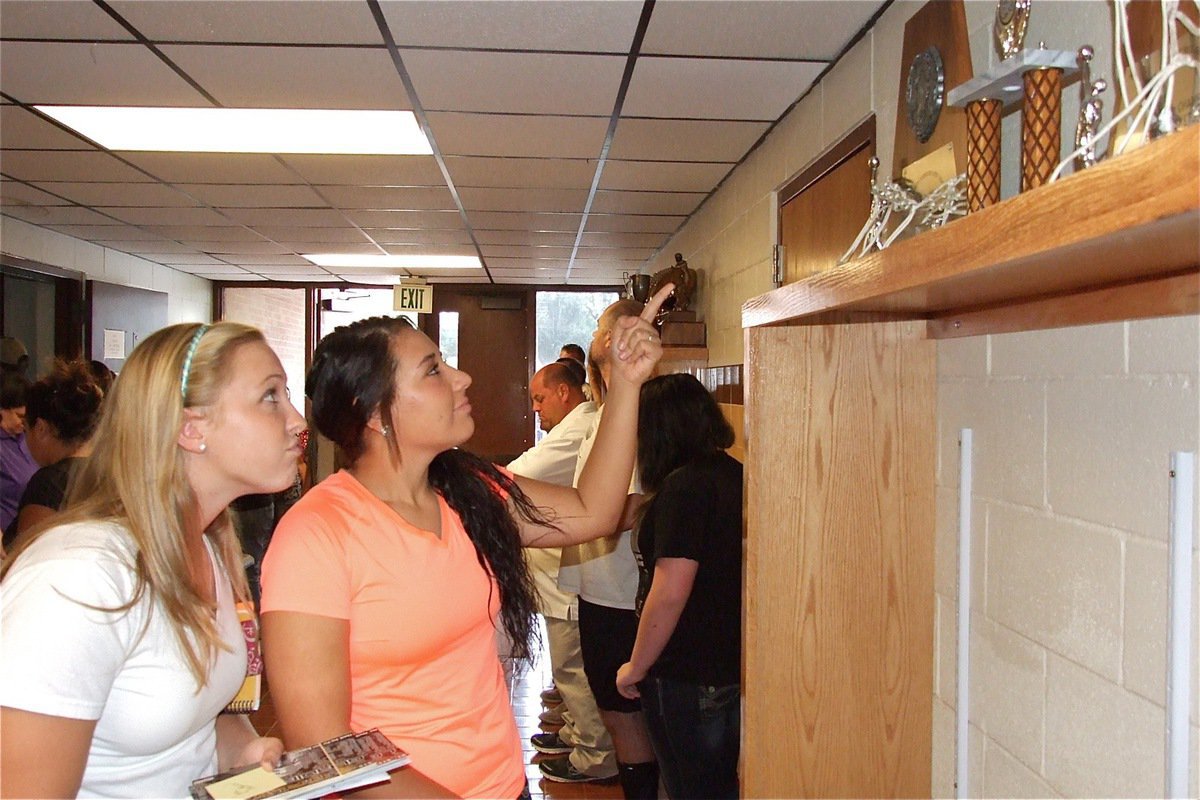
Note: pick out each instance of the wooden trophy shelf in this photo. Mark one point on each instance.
(1118, 241)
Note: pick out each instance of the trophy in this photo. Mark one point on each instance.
(637, 286)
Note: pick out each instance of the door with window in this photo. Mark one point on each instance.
(492, 330)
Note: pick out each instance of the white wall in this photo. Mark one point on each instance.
(189, 299)
(1072, 433)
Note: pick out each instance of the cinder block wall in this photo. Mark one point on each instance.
(1072, 433)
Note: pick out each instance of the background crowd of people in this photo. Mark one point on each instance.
(383, 586)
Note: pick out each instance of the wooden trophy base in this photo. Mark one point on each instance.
(680, 328)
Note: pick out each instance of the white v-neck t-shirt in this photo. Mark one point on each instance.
(155, 733)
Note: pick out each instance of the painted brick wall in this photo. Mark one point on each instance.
(279, 314)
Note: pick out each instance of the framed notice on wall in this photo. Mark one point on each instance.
(118, 318)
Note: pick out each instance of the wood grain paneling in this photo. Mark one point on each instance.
(839, 561)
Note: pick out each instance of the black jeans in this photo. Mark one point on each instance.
(696, 732)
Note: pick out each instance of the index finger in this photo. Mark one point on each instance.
(655, 303)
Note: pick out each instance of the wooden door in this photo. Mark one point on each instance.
(495, 340)
(820, 222)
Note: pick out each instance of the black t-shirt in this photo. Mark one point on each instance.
(47, 487)
(697, 514)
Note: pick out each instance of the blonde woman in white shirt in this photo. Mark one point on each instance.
(121, 640)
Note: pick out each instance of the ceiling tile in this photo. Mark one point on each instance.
(291, 217)
(304, 246)
(233, 195)
(57, 215)
(515, 83)
(227, 276)
(518, 135)
(506, 264)
(68, 165)
(540, 173)
(407, 198)
(27, 129)
(192, 259)
(14, 193)
(555, 238)
(526, 251)
(684, 140)
(685, 88)
(291, 21)
(506, 220)
(634, 224)
(437, 220)
(312, 234)
(233, 247)
(621, 239)
(213, 167)
(483, 199)
(272, 262)
(348, 170)
(62, 73)
(386, 236)
(121, 194)
(106, 232)
(814, 29)
(431, 250)
(591, 254)
(662, 176)
(148, 249)
(572, 25)
(204, 233)
(166, 216)
(294, 77)
(64, 19)
(613, 202)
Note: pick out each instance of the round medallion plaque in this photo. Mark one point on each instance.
(924, 92)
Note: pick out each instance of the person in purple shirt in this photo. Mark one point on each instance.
(16, 464)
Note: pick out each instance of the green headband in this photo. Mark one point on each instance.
(187, 359)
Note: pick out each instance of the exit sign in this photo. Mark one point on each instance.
(413, 297)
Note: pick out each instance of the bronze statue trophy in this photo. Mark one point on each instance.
(678, 324)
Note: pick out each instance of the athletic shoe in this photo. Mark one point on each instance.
(552, 716)
(551, 697)
(561, 770)
(550, 743)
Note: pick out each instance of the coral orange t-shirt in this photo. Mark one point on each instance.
(423, 661)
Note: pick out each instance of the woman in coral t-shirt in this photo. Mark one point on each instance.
(382, 586)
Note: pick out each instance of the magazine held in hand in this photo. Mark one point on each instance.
(347, 762)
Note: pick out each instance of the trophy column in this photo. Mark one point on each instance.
(1041, 126)
(983, 153)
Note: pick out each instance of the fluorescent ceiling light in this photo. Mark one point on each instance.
(414, 262)
(245, 130)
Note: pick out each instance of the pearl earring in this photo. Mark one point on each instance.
(203, 447)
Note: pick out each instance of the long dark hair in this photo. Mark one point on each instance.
(678, 422)
(352, 377)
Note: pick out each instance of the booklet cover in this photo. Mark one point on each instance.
(347, 762)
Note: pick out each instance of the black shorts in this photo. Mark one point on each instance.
(606, 637)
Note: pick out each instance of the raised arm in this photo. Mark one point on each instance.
(593, 509)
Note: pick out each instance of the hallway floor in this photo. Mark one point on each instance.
(525, 694)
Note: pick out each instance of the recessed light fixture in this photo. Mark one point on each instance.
(245, 130)
(413, 262)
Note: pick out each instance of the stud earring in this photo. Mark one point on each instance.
(203, 447)
(386, 431)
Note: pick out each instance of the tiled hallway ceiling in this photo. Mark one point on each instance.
(571, 139)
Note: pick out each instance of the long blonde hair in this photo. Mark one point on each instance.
(136, 477)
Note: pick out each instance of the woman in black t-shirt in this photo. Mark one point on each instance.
(686, 661)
